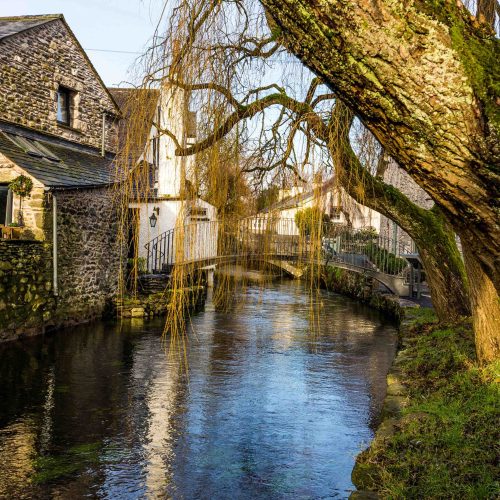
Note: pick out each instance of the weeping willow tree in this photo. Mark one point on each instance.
(423, 76)
(286, 123)
(238, 75)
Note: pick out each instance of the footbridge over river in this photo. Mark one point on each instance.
(278, 242)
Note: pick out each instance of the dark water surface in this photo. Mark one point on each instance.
(274, 406)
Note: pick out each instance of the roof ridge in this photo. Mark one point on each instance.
(33, 17)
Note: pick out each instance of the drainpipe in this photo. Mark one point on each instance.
(54, 244)
(395, 239)
(103, 133)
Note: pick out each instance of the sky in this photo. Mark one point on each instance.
(118, 29)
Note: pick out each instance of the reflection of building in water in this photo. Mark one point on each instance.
(161, 402)
(156, 396)
(363, 355)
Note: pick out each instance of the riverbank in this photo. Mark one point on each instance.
(439, 424)
(157, 304)
(363, 289)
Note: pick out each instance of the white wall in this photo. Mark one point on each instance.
(199, 238)
(171, 170)
(171, 167)
(360, 215)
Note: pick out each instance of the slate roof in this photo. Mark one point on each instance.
(12, 25)
(72, 165)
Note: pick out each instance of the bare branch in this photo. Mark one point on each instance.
(249, 111)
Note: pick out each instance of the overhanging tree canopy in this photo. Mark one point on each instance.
(405, 72)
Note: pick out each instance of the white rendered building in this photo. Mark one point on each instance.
(161, 202)
(330, 198)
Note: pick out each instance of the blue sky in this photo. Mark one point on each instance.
(107, 25)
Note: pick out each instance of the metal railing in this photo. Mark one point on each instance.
(205, 242)
(187, 243)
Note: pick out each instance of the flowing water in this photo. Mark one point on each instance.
(274, 404)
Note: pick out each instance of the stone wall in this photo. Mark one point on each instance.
(88, 250)
(34, 63)
(362, 288)
(27, 305)
(88, 267)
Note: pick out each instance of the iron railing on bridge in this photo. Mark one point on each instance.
(205, 242)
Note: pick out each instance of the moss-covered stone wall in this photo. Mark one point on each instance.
(87, 267)
(27, 304)
(362, 288)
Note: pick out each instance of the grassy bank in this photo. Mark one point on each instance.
(444, 441)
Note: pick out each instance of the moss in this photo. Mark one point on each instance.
(444, 444)
(52, 467)
(477, 48)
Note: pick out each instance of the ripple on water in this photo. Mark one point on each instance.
(275, 404)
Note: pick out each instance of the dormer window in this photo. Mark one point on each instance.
(64, 105)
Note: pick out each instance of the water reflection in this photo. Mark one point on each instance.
(268, 410)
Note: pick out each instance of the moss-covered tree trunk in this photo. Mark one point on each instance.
(423, 77)
(485, 309)
(429, 229)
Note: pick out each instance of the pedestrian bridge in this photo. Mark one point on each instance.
(279, 244)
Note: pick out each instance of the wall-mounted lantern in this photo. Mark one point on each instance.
(153, 218)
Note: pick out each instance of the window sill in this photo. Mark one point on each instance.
(69, 127)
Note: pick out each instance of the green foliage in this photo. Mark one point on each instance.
(366, 234)
(78, 458)
(21, 186)
(312, 220)
(384, 259)
(420, 316)
(445, 444)
(267, 197)
(141, 264)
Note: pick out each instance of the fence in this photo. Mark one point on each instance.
(205, 242)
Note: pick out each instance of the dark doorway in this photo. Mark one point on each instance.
(133, 232)
(4, 198)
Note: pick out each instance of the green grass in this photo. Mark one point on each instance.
(446, 443)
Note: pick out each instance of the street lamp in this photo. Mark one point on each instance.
(153, 218)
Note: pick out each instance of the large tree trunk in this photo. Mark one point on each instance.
(485, 309)
(421, 75)
(444, 269)
(429, 229)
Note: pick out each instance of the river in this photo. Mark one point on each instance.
(278, 397)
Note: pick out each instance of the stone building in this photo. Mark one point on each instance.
(397, 177)
(58, 127)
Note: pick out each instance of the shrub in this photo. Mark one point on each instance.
(385, 260)
(312, 221)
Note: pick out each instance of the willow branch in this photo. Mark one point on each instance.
(207, 86)
(249, 111)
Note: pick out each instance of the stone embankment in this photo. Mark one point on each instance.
(157, 304)
(364, 289)
(27, 304)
